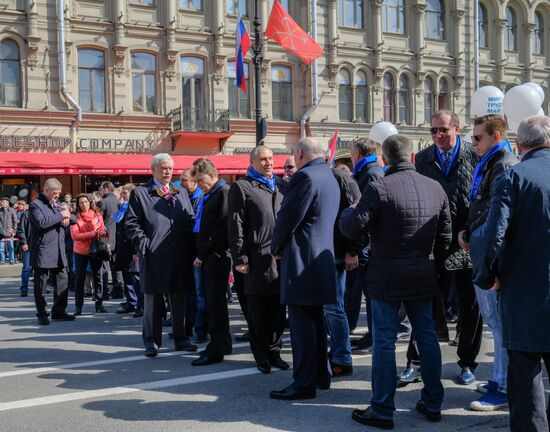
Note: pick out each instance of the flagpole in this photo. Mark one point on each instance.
(258, 60)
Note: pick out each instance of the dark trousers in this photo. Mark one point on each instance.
(356, 287)
(60, 292)
(215, 273)
(116, 275)
(238, 284)
(153, 309)
(266, 326)
(81, 265)
(309, 346)
(526, 392)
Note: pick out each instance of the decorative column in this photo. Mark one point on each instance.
(458, 50)
(32, 39)
(420, 46)
(500, 25)
(171, 23)
(528, 60)
(121, 97)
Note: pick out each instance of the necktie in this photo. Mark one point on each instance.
(446, 160)
(168, 195)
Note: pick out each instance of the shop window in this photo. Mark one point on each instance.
(344, 95)
(239, 101)
(435, 19)
(10, 74)
(144, 82)
(281, 92)
(91, 80)
(361, 96)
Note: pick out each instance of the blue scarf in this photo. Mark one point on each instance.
(200, 207)
(478, 173)
(359, 165)
(197, 193)
(453, 157)
(119, 215)
(270, 183)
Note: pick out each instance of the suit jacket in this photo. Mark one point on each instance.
(252, 208)
(304, 235)
(513, 245)
(369, 173)
(161, 234)
(109, 206)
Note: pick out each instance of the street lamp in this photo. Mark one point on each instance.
(261, 124)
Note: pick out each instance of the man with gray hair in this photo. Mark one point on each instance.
(511, 254)
(47, 245)
(407, 217)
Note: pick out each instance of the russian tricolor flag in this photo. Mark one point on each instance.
(242, 45)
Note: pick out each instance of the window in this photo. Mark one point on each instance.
(404, 111)
(538, 47)
(361, 96)
(281, 92)
(483, 26)
(193, 87)
(393, 16)
(239, 101)
(443, 95)
(435, 19)
(389, 103)
(91, 80)
(510, 38)
(344, 95)
(191, 4)
(284, 3)
(143, 2)
(428, 100)
(350, 13)
(237, 7)
(143, 82)
(10, 74)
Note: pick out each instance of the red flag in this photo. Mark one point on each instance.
(282, 29)
(332, 147)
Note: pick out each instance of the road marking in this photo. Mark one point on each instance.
(154, 385)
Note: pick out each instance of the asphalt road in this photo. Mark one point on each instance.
(91, 375)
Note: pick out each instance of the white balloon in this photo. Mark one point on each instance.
(513, 124)
(380, 131)
(487, 100)
(541, 112)
(521, 102)
(539, 90)
(468, 137)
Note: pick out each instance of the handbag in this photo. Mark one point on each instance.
(100, 249)
(458, 260)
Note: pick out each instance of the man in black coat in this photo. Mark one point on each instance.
(304, 237)
(451, 163)
(158, 223)
(24, 235)
(212, 249)
(47, 246)
(252, 207)
(407, 217)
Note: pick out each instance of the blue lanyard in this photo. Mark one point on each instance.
(478, 172)
(359, 165)
(456, 150)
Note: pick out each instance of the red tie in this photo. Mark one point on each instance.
(164, 189)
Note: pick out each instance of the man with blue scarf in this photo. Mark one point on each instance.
(490, 143)
(253, 206)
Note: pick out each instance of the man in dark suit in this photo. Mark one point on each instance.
(407, 217)
(158, 223)
(47, 247)
(304, 237)
(253, 205)
(212, 250)
(511, 254)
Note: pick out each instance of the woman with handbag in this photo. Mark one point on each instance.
(89, 226)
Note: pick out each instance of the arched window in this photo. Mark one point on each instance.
(510, 35)
(538, 47)
(237, 7)
(435, 19)
(361, 97)
(393, 16)
(428, 99)
(239, 101)
(91, 80)
(144, 71)
(191, 4)
(404, 111)
(281, 92)
(443, 95)
(483, 22)
(344, 95)
(350, 13)
(193, 91)
(10, 74)
(389, 102)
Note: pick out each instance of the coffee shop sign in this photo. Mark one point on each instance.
(41, 143)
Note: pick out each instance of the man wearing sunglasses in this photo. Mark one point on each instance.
(489, 140)
(452, 163)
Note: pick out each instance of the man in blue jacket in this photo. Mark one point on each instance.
(304, 237)
(511, 254)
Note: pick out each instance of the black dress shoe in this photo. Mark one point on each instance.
(433, 416)
(323, 384)
(205, 360)
(77, 311)
(201, 338)
(290, 393)
(368, 418)
(128, 308)
(138, 313)
(151, 352)
(23, 294)
(365, 339)
(185, 346)
(63, 317)
(279, 363)
(43, 320)
(264, 367)
(245, 337)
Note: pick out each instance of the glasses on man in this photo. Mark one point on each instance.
(435, 130)
(290, 166)
(476, 138)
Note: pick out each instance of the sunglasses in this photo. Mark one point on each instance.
(289, 166)
(435, 130)
(476, 138)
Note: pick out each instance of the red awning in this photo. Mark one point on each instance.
(112, 164)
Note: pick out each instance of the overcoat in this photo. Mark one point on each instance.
(109, 205)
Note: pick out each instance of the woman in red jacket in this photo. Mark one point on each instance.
(89, 224)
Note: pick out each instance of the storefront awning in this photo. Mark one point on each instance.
(112, 164)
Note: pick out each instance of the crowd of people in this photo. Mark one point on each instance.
(456, 228)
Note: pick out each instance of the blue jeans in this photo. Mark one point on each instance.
(11, 251)
(26, 271)
(385, 320)
(337, 321)
(200, 318)
(488, 306)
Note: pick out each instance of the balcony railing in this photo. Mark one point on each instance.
(186, 119)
